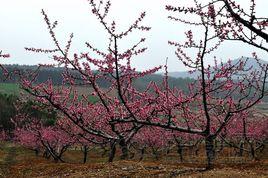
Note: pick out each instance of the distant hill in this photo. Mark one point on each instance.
(184, 74)
(251, 62)
(55, 74)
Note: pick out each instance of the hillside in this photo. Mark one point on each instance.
(251, 62)
(56, 75)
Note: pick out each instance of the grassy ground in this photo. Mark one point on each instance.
(9, 88)
(18, 162)
(14, 89)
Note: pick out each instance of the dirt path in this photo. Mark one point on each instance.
(9, 159)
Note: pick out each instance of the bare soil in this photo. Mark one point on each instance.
(16, 162)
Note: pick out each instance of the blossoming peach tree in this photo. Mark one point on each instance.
(247, 134)
(222, 93)
(225, 91)
(97, 119)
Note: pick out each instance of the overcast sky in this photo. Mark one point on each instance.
(22, 26)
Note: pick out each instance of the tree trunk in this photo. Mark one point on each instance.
(124, 149)
(85, 151)
(221, 146)
(262, 148)
(210, 151)
(112, 151)
(179, 151)
(241, 149)
(56, 160)
(196, 151)
(142, 154)
(46, 154)
(36, 152)
(252, 150)
(155, 154)
(57, 157)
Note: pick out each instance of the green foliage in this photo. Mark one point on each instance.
(32, 109)
(7, 111)
(93, 99)
(35, 110)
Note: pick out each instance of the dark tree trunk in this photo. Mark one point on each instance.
(112, 151)
(196, 151)
(57, 156)
(241, 149)
(124, 149)
(36, 152)
(46, 154)
(180, 148)
(168, 148)
(252, 150)
(142, 153)
(180, 151)
(262, 148)
(221, 146)
(131, 155)
(56, 160)
(85, 152)
(210, 151)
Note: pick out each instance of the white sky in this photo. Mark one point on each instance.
(22, 26)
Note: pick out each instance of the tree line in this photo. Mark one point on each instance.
(55, 74)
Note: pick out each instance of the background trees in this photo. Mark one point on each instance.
(8, 110)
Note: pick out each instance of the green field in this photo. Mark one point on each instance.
(9, 88)
(14, 89)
